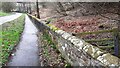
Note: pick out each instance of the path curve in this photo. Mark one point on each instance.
(9, 18)
(27, 50)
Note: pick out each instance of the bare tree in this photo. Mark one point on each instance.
(29, 8)
(61, 9)
(37, 8)
(8, 6)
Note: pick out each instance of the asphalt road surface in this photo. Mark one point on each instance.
(9, 18)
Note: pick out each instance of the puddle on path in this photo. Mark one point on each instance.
(27, 50)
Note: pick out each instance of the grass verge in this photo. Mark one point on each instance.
(49, 52)
(11, 32)
(4, 13)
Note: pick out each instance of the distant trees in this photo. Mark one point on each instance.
(78, 8)
(61, 9)
(8, 6)
(43, 4)
(0, 6)
(86, 8)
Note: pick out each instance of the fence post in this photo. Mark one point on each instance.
(116, 43)
(116, 39)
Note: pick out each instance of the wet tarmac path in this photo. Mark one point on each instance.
(27, 50)
(9, 18)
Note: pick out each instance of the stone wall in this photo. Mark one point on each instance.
(75, 50)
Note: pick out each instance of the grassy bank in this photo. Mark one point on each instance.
(11, 32)
(4, 13)
(49, 52)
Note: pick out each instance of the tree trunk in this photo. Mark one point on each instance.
(37, 7)
(29, 7)
(24, 7)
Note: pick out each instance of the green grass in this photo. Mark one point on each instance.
(47, 37)
(11, 32)
(96, 32)
(4, 13)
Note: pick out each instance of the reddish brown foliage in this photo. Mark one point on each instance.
(78, 25)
